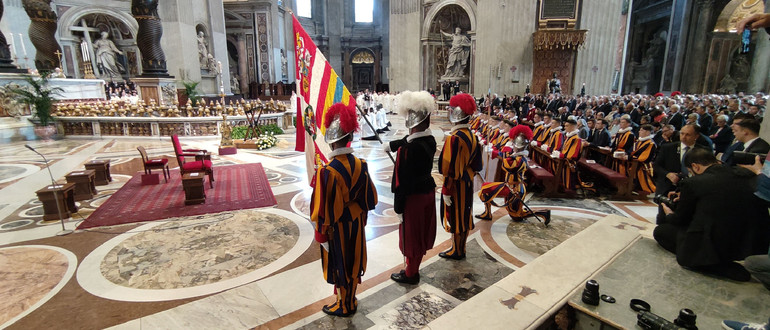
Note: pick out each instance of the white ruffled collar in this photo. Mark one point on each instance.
(460, 126)
(555, 129)
(573, 133)
(624, 130)
(540, 123)
(645, 138)
(340, 151)
(418, 135)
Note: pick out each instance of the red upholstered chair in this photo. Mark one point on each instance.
(185, 166)
(156, 163)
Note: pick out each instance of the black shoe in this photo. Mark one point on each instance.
(335, 310)
(452, 256)
(484, 216)
(401, 277)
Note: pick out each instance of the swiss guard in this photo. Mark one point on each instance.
(460, 161)
(342, 197)
(413, 185)
(512, 192)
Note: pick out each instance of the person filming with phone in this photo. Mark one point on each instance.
(715, 218)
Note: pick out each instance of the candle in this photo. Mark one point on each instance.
(219, 66)
(23, 48)
(13, 49)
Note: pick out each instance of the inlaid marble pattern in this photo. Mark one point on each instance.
(417, 312)
(28, 274)
(529, 235)
(202, 250)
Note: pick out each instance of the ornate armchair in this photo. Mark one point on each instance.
(202, 162)
(155, 163)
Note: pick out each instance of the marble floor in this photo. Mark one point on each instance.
(256, 268)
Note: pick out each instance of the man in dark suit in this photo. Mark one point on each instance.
(668, 166)
(554, 104)
(717, 218)
(677, 118)
(605, 107)
(746, 132)
(704, 119)
(666, 134)
(600, 137)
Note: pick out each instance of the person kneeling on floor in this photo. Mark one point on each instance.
(716, 218)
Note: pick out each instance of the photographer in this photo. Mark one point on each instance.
(716, 218)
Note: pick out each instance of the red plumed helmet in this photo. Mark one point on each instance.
(348, 120)
(465, 101)
(659, 94)
(520, 129)
(676, 93)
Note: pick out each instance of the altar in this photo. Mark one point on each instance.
(79, 89)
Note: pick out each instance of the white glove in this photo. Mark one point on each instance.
(544, 147)
(386, 146)
(555, 154)
(325, 245)
(447, 200)
(533, 143)
(489, 149)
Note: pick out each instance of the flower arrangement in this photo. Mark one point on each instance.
(267, 140)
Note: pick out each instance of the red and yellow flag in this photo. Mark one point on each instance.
(318, 87)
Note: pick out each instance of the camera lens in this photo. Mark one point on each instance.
(686, 319)
(591, 293)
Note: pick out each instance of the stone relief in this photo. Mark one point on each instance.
(169, 94)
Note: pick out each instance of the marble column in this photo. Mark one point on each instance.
(42, 33)
(700, 46)
(243, 65)
(148, 38)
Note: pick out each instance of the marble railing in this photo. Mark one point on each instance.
(160, 126)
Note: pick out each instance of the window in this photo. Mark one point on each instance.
(364, 11)
(304, 9)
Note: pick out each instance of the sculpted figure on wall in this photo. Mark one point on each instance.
(203, 50)
(106, 57)
(458, 54)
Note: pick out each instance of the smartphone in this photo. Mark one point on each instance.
(745, 41)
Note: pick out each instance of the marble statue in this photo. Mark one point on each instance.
(284, 65)
(227, 140)
(727, 85)
(211, 64)
(235, 85)
(554, 85)
(458, 54)
(106, 57)
(57, 74)
(203, 51)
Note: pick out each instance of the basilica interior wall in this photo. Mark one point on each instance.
(503, 40)
(180, 19)
(596, 61)
(404, 69)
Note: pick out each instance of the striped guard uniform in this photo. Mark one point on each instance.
(644, 152)
(513, 189)
(570, 152)
(343, 195)
(459, 162)
(624, 141)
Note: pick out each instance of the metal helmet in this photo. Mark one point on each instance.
(415, 107)
(462, 106)
(521, 135)
(520, 143)
(335, 132)
(340, 121)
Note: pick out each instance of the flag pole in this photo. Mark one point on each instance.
(374, 130)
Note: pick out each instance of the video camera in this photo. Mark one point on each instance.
(747, 158)
(662, 199)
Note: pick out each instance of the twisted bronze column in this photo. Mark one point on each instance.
(6, 62)
(42, 33)
(148, 38)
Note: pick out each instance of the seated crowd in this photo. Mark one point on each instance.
(689, 151)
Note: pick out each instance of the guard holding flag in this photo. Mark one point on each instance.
(342, 197)
(460, 161)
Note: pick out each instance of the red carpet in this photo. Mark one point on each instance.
(236, 187)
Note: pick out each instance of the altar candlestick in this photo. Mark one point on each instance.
(23, 48)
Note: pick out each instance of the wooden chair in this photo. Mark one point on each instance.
(155, 163)
(201, 164)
